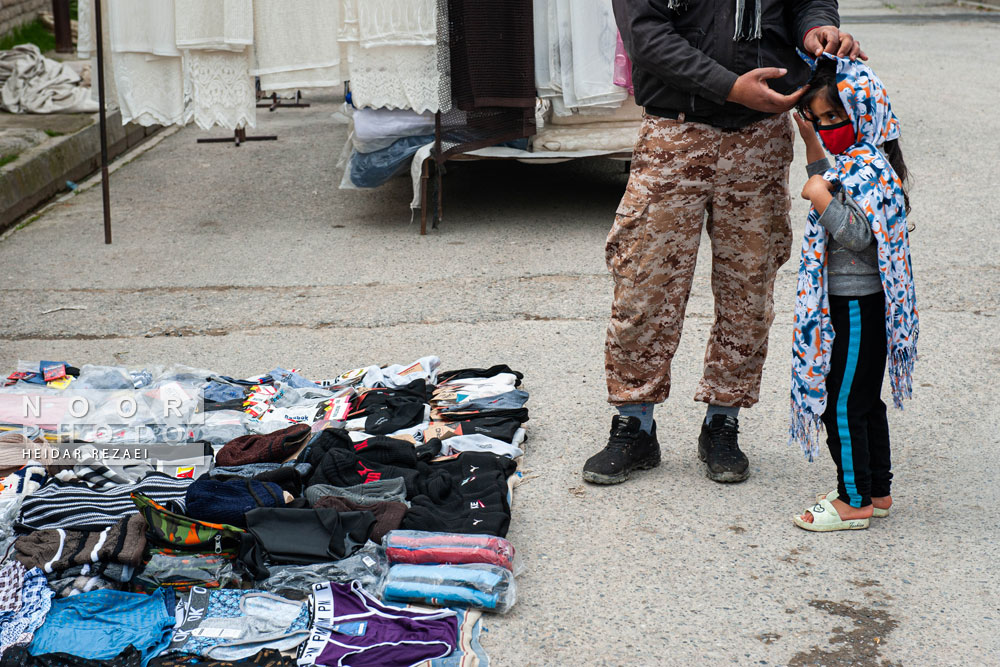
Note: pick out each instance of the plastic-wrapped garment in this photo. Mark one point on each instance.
(485, 587)
(368, 567)
(218, 391)
(228, 624)
(220, 426)
(415, 547)
(398, 375)
(292, 379)
(370, 170)
(489, 400)
(376, 129)
(181, 571)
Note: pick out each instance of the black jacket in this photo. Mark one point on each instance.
(687, 61)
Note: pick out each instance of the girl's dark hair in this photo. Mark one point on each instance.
(824, 82)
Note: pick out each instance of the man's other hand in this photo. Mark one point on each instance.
(830, 39)
(751, 90)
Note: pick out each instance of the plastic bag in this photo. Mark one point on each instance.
(485, 587)
(417, 547)
(368, 566)
(180, 571)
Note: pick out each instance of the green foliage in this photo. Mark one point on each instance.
(29, 33)
(7, 159)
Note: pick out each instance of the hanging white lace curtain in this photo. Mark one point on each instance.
(394, 61)
(397, 23)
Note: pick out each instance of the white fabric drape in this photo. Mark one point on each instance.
(148, 72)
(574, 56)
(218, 25)
(297, 48)
(397, 23)
(86, 48)
(142, 26)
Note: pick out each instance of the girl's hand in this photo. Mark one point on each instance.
(806, 130)
(817, 189)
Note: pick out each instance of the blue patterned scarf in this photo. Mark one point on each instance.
(864, 174)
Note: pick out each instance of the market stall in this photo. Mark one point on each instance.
(427, 81)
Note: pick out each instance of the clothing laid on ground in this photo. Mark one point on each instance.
(229, 624)
(273, 447)
(477, 586)
(266, 658)
(350, 627)
(229, 501)
(491, 373)
(418, 548)
(25, 608)
(857, 431)
(680, 171)
(114, 547)
(291, 535)
(77, 506)
(102, 624)
(388, 516)
(19, 656)
(58, 550)
(382, 490)
(368, 566)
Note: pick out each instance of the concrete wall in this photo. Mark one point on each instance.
(15, 12)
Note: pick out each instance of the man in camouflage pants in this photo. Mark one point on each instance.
(714, 148)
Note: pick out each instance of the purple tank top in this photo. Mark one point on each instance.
(353, 629)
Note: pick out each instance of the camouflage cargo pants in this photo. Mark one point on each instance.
(684, 175)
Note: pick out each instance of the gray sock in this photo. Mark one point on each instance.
(642, 411)
(721, 410)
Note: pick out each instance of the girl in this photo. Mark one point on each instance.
(856, 305)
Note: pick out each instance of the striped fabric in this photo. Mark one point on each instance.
(76, 505)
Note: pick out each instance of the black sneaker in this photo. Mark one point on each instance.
(629, 448)
(718, 448)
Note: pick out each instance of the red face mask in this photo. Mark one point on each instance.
(837, 137)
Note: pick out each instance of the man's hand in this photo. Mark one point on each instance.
(830, 39)
(751, 90)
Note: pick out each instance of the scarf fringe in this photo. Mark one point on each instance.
(901, 364)
(806, 430)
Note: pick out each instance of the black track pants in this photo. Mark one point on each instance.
(855, 417)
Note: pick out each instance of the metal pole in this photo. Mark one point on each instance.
(60, 19)
(105, 191)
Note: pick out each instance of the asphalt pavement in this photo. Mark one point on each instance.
(237, 259)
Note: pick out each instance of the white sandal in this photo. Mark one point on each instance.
(876, 512)
(826, 519)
